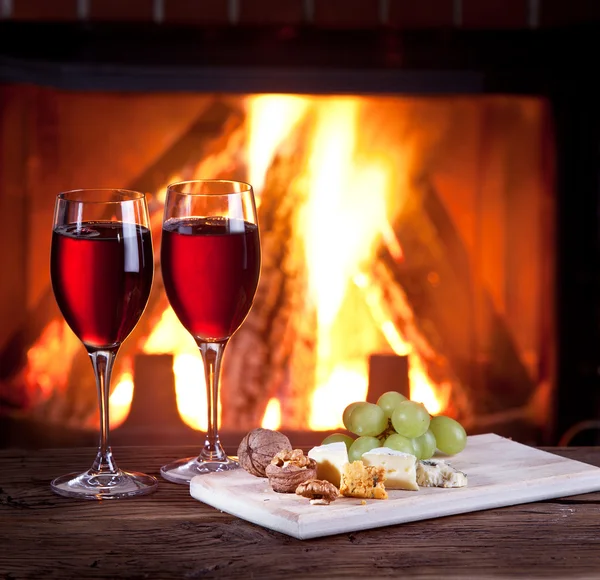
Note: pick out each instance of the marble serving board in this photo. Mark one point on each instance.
(500, 473)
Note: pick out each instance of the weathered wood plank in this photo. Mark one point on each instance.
(169, 534)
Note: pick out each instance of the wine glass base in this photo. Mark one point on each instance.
(183, 470)
(89, 485)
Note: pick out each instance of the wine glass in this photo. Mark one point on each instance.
(210, 261)
(102, 269)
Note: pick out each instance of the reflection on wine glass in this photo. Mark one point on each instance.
(210, 261)
(101, 269)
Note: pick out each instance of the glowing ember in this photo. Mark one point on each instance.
(272, 418)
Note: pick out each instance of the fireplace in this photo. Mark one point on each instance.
(455, 262)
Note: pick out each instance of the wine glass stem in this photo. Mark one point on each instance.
(212, 355)
(102, 361)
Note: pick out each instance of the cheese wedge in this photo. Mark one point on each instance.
(330, 459)
(364, 481)
(400, 468)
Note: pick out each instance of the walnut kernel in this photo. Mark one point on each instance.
(295, 457)
(320, 492)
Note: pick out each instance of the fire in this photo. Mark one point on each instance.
(272, 418)
(350, 192)
(191, 391)
(343, 224)
(271, 118)
(46, 360)
(435, 398)
(344, 386)
(119, 403)
(46, 369)
(344, 217)
(342, 220)
(375, 302)
(170, 337)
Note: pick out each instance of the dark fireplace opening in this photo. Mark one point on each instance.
(467, 161)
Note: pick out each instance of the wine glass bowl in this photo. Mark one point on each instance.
(101, 268)
(210, 263)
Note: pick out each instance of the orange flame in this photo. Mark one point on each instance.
(46, 359)
(271, 118)
(170, 337)
(435, 398)
(119, 403)
(272, 418)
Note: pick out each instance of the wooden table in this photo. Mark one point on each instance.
(171, 535)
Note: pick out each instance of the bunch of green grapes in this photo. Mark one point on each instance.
(401, 424)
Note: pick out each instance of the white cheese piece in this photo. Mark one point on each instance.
(400, 468)
(330, 460)
(438, 473)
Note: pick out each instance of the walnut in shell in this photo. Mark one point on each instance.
(288, 469)
(258, 447)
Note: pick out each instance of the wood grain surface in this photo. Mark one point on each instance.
(171, 535)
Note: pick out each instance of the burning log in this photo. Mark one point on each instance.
(276, 344)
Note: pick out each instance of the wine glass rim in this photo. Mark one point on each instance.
(128, 195)
(245, 187)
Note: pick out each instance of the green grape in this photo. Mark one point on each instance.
(450, 435)
(335, 437)
(367, 419)
(410, 419)
(347, 412)
(388, 402)
(362, 445)
(425, 445)
(400, 443)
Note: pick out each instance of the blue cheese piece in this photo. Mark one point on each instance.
(438, 473)
(330, 459)
(400, 468)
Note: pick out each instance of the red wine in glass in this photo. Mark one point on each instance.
(101, 277)
(101, 267)
(210, 261)
(210, 269)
